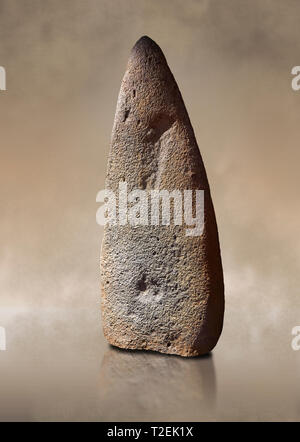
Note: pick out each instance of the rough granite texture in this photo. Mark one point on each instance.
(161, 290)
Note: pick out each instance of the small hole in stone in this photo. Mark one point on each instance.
(141, 284)
(133, 93)
(126, 113)
(138, 122)
(168, 344)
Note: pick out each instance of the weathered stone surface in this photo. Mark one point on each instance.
(161, 290)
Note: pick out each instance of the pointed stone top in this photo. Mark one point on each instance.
(149, 107)
(145, 42)
(145, 47)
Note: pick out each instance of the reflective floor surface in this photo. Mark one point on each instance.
(57, 366)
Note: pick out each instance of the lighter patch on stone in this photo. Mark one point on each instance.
(150, 295)
(148, 291)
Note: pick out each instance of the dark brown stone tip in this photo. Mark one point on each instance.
(146, 47)
(146, 43)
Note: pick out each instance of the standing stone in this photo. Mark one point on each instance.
(161, 289)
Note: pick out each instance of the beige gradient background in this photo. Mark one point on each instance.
(64, 61)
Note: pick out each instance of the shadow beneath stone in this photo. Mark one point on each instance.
(141, 386)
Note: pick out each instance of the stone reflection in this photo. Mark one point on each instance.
(137, 386)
